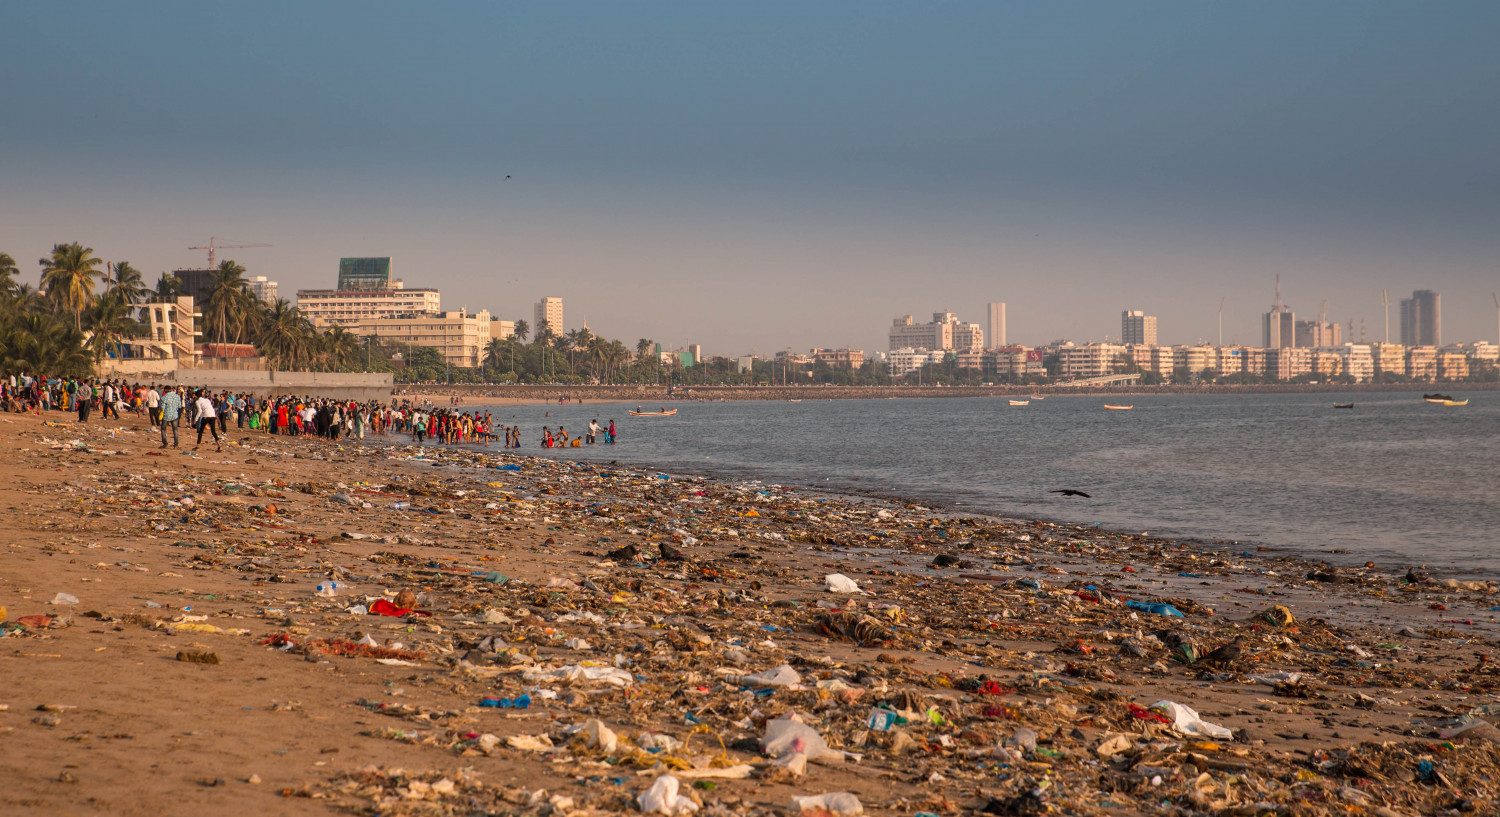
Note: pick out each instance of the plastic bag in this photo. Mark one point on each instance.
(64, 598)
(1187, 722)
(663, 798)
(598, 736)
(782, 676)
(1158, 609)
(839, 583)
(786, 735)
(839, 802)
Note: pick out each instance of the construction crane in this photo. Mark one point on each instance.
(213, 248)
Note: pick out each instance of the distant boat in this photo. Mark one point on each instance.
(1455, 402)
(1119, 408)
(662, 413)
(1034, 397)
(1020, 402)
(794, 400)
(1438, 398)
(1343, 405)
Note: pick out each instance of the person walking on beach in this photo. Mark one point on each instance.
(153, 405)
(171, 412)
(207, 418)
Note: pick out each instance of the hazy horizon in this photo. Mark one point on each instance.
(753, 178)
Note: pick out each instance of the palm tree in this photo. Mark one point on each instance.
(228, 305)
(522, 330)
(167, 286)
(8, 273)
(283, 338)
(69, 274)
(127, 281)
(110, 322)
(339, 347)
(493, 351)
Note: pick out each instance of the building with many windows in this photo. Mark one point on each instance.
(549, 313)
(1388, 359)
(1136, 327)
(997, 325)
(266, 290)
(946, 333)
(840, 358)
(1422, 319)
(364, 273)
(460, 337)
(1421, 362)
(1089, 360)
(349, 307)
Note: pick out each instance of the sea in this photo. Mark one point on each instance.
(1394, 480)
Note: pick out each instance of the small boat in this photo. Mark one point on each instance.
(1438, 398)
(1455, 402)
(794, 399)
(1343, 405)
(1034, 397)
(1119, 408)
(662, 413)
(1020, 402)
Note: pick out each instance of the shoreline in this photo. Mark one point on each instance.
(528, 394)
(311, 709)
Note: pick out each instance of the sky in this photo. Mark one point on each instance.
(761, 176)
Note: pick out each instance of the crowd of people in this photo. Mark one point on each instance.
(169, 407)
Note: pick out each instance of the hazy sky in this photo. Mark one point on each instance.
(753, 176)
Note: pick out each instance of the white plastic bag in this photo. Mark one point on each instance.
(839, 583)
(599, 736)
(782, 676)
(786, 736)
(838, 802)
(1187, 722)
(663, 798)
(64, 598)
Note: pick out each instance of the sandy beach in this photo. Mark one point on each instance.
(167, 649)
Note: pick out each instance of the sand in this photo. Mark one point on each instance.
(101, 717)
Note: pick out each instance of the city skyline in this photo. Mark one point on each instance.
(772, 176)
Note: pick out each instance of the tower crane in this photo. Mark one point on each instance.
(213, 248)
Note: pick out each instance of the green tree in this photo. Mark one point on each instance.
(8, 273)
(110, 322)
(167, 286)
(69, 274)
(125, 282)
(523, 329)
(284, 337)
(229, 304)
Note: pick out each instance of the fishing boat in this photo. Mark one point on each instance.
(1020, 402)
(1455, 402)
(1036, 397)
(1442, 399)
(661, 413)
(1343, 405)
(1119, 408)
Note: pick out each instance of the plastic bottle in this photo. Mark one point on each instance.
(331, 588)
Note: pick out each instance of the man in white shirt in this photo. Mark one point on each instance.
(207, 418)
(153, 406)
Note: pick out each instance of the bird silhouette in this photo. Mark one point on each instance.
(507, 177)
(670, 553)
(1070, 492)
(1225, 654)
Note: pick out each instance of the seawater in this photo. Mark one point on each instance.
(1395, 480)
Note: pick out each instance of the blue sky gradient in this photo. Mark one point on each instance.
(756, 176)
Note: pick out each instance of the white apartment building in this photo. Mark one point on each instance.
(1089, 360)
(1421, 362)
(903, 362)
(501, 330)
(1287, 362)
(1136, 327)
(459, 337)
(1357, 362)
(349, 307)
(549, 311)
(945, 333)
(1388, 358)
(266, 290)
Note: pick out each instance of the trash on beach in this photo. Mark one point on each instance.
(662, 798)
(1186, 721)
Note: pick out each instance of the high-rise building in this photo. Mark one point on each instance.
(997, 325)
(549, 311)
(1137, 328)
(1279, 326)
(195, 283)
(1316, 334)
(945, 333)
(1422, 319)
(364, 273)
(266, 291)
